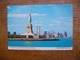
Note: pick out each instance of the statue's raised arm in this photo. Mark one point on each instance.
(29, 17)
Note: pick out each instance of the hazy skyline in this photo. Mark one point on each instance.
(53, 17)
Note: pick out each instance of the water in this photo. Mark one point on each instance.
(62, 42)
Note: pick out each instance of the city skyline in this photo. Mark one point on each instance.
(54, 17)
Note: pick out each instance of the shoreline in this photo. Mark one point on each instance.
(33, 39)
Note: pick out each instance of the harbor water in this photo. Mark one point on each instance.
(62, 42)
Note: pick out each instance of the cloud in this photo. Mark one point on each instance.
(25, 15)
(17, 15)
(67, 23)
(64, 23)
(43, 14)
(68, 18)
(16, 25)
(34, 14)
(51, 25)
(57, 22)
(8, 7)
(38, 24)
(67, 28)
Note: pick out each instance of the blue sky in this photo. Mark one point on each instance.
(53, 17)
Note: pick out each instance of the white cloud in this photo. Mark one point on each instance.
(34, 14)
(8, 7)
(17, 15)
(68, 18)
(44, 15)
(38, 24)
(51, 25)
(57, 22)
(16, 25)
(67, 22)
(66, 29)
(25, 15)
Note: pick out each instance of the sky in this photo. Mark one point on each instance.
(52, 17)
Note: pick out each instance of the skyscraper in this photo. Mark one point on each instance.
(38, 30)
(65, 34)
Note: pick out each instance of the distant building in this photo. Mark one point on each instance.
(65, 34)
(38, 30)
(53, 34)
(58, 34)
(45, 33)
(61, 35)
(50, 34)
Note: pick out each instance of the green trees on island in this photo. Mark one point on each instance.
(14, 35)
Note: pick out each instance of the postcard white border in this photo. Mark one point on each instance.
(39, 48)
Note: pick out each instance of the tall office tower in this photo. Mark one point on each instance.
(65, 33)
(38, 30)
